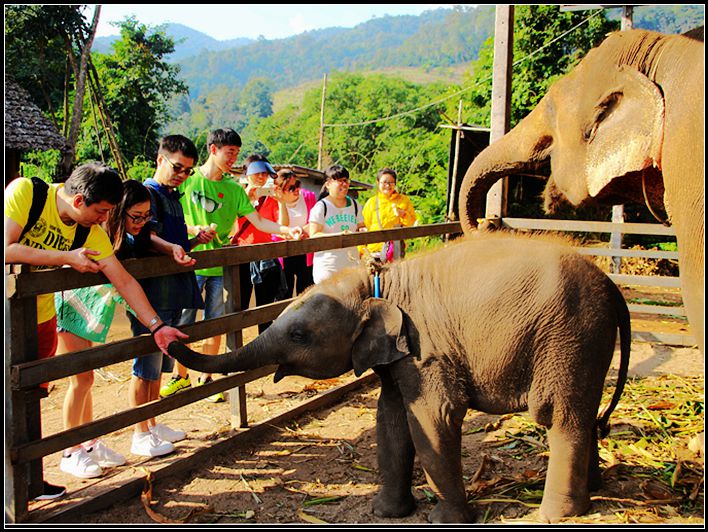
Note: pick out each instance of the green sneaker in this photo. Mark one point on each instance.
(217, 397)
(174, 385)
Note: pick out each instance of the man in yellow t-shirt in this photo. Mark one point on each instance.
(85, 199)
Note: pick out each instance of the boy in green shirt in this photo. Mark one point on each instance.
(212, 201)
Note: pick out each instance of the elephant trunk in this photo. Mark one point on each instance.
(520, 150)
(251, 356)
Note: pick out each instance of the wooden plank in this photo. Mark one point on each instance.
(588, 227)
(67, 438)
(645, 280)
(635, 253)
(657, 309)
(31, 284)
(683, 340)
(133, 487)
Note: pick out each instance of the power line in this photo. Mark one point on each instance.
(462, 91)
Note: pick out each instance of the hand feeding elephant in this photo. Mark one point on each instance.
(625, 125)
(499, 324)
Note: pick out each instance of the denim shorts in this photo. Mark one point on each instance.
(213, 286)
(149, 367)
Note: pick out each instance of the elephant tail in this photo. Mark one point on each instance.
(625, 330)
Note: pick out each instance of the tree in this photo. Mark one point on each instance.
(136, 83)
(545, 59)
(47, 28)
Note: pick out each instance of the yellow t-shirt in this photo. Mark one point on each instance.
(394, 211)
(50, 232)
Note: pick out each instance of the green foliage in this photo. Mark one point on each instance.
(137, 81)
(40, 163)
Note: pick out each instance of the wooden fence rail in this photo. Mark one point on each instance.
(24, 445)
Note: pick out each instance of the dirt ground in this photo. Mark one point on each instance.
(323, 467)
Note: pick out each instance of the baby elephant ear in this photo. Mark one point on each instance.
(382, 339)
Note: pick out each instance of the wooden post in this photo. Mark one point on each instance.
(501, 98)
(455, 164)
(618, 210)
(322, 110)
(234, 340)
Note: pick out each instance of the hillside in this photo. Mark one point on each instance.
(188, 42)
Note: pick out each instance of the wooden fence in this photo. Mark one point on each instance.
(24, 444)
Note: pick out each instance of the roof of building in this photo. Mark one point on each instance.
(26, 127)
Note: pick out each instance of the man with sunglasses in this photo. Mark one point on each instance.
(212, 202)
(169, 294)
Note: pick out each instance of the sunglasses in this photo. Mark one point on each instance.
(294, 186)
(178, 168)
(140, 219)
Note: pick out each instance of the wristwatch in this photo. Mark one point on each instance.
(153, 321)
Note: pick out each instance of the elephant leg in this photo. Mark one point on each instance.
(395, 454)
(566, 490)
(594, 472)
(437, 434)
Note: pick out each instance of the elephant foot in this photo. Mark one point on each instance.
(556, 506)
(444, 512)
(386, 505)
(594, 479)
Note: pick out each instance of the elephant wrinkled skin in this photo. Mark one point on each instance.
(499, 324)
(627, 124)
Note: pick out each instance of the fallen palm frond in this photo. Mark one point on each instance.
(146, 499)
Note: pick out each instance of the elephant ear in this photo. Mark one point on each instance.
(382, 339)
(626, 131)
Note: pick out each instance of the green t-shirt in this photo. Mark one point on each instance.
(220, 202)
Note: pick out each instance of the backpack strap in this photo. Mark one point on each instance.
(39, 198)
(349, 202)
(40, 190)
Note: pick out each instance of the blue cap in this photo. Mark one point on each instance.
(257, 167)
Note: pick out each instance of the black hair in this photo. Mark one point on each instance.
(96, 182)
(224, 137)
(386, 171)
(134, 192)
(336, 171)
(178, 143)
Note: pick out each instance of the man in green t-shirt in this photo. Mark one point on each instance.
(212, 201)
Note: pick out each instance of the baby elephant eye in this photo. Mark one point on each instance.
(298, 336)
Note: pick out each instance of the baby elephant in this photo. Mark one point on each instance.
(498, 323)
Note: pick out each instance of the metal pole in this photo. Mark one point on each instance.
(322, 110)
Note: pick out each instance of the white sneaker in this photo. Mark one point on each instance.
(80, 464)
(103, 455)
(165, 433)
(147, 444)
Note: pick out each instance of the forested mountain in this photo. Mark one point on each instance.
(188, 42)
(436, 38)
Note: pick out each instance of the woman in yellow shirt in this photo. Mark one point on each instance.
(386, 210)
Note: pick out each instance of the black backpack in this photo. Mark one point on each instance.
(39, 198)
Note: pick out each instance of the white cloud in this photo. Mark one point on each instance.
(298, 24)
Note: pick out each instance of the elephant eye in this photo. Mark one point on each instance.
(299, 336)
(602, 111)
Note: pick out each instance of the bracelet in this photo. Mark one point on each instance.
(163, 324)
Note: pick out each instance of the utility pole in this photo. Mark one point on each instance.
(322, 110)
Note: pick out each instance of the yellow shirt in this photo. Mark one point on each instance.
(395, 210)
(50, 232)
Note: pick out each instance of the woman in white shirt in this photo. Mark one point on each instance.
(333, 214)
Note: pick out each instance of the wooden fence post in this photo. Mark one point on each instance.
(234, 340)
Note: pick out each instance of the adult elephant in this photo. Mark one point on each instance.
(531, 327)
(625, 125)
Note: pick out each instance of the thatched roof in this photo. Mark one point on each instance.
(26, 128)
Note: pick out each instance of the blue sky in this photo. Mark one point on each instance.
(273, 21)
